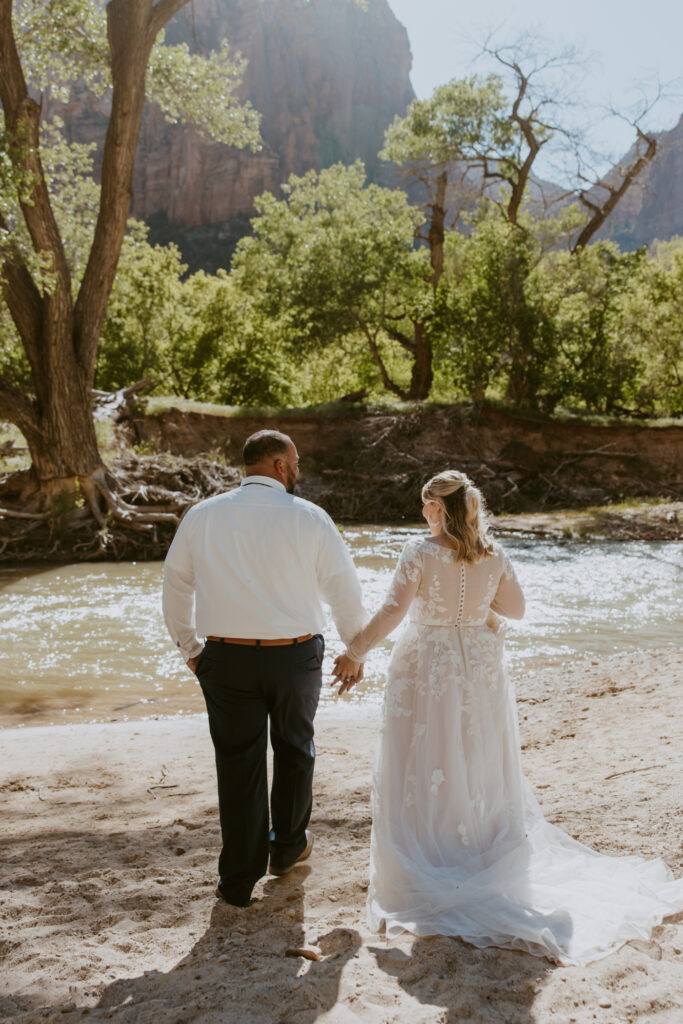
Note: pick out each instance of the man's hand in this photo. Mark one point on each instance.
(192, 665)
(346, 672)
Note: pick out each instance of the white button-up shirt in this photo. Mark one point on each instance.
(257, 563)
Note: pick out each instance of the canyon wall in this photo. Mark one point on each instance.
(327, 76)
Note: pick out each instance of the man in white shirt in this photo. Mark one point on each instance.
(249, 570)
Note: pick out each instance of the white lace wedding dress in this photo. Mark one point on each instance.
(459, 844)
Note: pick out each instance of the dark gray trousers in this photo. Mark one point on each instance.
(244, 687)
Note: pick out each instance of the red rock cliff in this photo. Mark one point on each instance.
(327, 78)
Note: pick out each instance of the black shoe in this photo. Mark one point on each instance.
(234, 897)
(282, 869)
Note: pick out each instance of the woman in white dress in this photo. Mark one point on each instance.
(459, 843)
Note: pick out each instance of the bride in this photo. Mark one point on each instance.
(459, 843)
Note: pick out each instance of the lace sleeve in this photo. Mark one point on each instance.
(401, 592)
(509, 599)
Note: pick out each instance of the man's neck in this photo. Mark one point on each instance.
(262, 480)
(262, 471)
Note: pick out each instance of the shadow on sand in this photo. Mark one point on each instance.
(462, 983)
(229, 973)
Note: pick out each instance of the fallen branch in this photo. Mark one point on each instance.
(118, 404)
(12, 513)
(632, 771)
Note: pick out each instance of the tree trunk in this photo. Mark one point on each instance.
(65, 451)
(59, 337)
(437, 228)
(423, 374)
(478, 391)
(517, 391)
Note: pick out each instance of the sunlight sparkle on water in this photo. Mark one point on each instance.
(92, 636)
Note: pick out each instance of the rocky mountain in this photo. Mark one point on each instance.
(653, 206)
(327, 77)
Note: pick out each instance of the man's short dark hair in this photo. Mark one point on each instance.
(265, 444)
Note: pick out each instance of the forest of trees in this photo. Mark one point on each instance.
(323, 300)
(464, 282)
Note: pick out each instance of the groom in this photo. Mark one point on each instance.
(249, 571)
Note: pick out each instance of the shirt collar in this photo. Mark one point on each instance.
(267, 481)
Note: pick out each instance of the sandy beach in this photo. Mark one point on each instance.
(110, 840)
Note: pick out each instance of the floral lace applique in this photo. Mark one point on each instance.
(437, 550)
(438, 778)
(419, 732)
(438, 685)
(410, 791)
(394, 706)
(435, 605)
(478, 805)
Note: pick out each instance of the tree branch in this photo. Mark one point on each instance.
(399, 336)
(132, 27)
(525, 125)
(22, 118)
(22, 297)
(437, 228)
(18, 408)
(388, 383)
(602, 212)
(163, 11)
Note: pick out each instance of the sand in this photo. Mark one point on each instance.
(110, 840)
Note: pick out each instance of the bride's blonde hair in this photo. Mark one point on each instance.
(464, 517)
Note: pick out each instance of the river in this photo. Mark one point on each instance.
(87, 642)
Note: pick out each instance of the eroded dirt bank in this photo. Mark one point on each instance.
(365, 465)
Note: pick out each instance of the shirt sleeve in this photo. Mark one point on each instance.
(402, 590)
(178, 594)
(509, 599)
(339, 583)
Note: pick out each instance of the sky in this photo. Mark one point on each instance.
(630, 44)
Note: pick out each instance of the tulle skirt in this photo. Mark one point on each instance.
(459, 843)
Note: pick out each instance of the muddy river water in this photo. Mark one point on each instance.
(87, 642)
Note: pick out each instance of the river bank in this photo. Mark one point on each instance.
(623, 521)
(367, 465)
(112, 836)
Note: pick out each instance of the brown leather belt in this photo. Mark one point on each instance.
(260, 643)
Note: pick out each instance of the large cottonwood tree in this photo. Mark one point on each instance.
(46, 46)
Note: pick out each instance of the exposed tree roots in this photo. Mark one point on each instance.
(129, 510)
(370, 469)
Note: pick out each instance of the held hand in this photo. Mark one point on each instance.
(346, 672)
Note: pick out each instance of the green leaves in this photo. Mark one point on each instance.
(465, 119)
(199, 337)
(143, 312)
(594, 361)
(64, 42)
(652, 317)
(202, 91)
(74, 194)
(333, 257)
(61, 42)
